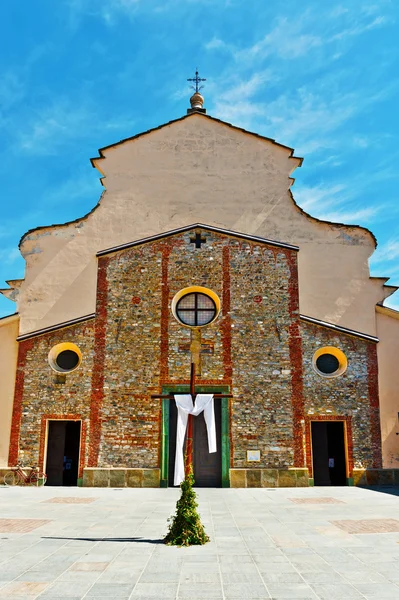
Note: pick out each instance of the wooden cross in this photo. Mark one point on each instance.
(190, 423)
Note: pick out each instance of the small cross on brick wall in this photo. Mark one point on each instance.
(197, 240)
(206, 347)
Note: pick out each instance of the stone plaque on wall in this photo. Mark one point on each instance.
(253, 455)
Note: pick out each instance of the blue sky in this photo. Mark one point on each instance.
(321, 77)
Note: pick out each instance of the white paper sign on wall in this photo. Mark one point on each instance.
(253, 455)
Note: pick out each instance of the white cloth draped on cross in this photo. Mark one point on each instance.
(185, 407)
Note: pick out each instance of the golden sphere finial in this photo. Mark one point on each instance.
(196, 100)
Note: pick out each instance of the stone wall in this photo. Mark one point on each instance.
(144, 347)
(128, 330)
(352, 395)
(39, 395)
(257, 347)
(261, 319)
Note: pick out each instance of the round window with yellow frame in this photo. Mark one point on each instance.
(196, 306)
(329, 361)
(65, 357)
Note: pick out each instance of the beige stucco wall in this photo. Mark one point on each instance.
(198, 170)
(8, 361)
(388, 352)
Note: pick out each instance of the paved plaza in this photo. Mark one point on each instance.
(75, 543)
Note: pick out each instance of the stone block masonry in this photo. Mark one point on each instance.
(39, 396)
(254, 341)
(352, 397)
(261, 351)
(120, 477)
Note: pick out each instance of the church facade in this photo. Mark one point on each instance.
(197, 249)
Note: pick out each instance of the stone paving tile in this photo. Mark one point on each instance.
(40, 576)
(160, 576)
(116, 590)
(370, 576)
(244, 591)
(277, 568)
(155, 590)
(283, 550)
(89, 566)
(194, 567)
(227, 569)
(26, 589)
(336, 591)
(390, 575)
(368, 525)
(239, 577)
(200, 578)
(329, 576)
(116, 576)
(378, 591)
(21, 525)
(69, 500)
(294, 590)
(201, 590)
(318, 500)
(66, 588)
(282, 578)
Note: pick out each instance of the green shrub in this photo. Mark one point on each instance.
(186, 528)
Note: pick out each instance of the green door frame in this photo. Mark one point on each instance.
(201, 389)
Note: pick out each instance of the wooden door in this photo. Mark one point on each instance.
(207, 467)
(328, 453)
(55, 452)
(63, 444)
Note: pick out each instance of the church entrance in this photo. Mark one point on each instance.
(207, 467)
(63, 445)
(328, 452)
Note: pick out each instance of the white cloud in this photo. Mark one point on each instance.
(359, 28)
(338, 203)
(387, 252)
(107, 10)
(248, 87)
(286, 40)
(217, 44)
(112, 10)
(312, 116)
(52, 126)
(393, 301)
(9, 256)
(82, 186)
(297, 36)
(310, 198)
(362, 215)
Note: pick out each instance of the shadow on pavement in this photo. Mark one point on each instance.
(116, 539)
(384, 489)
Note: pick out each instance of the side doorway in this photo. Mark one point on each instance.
(329, 453)
(63, 449)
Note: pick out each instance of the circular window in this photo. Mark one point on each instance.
(195, 306)
(65, 357)
(329, 361)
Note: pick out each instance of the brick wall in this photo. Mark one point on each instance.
(255, 347)
(146, 348)
(38, 394)
(262, 411)
(352, 395)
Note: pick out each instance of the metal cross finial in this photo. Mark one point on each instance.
(197, 80)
